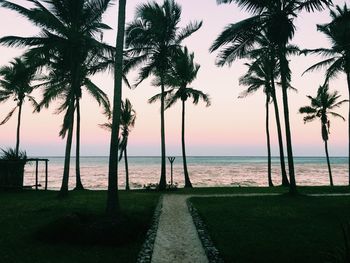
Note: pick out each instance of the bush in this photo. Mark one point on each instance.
(12, 168)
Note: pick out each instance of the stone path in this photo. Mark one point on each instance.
(177, 240)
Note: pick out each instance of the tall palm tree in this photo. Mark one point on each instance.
(152, 40)
(321, 107)
(181, 74)
(257, 77)
(112, 204)
(127, 121)
(276, 18)
(58, 88)
(338, 56)
(266, 63)
(68, 37)
(16, 83)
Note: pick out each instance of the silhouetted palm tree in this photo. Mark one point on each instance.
(112, 205)
(257, 77)
(264, 55)
(16, 83)
(66, 41)
(152, 40)
(338, 56)
(57, 88)
(321, 107)
(127, 121)
(181, 74)
(276, 18)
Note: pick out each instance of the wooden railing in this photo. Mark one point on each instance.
(37, 160)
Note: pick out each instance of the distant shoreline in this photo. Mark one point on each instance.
(191, 156)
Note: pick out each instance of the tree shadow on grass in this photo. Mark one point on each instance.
(91, 229)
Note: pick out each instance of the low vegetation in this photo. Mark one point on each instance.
(277, 228)
(38, 227)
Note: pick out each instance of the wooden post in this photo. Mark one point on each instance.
(171, 160)
(46, 174)
(36, 174)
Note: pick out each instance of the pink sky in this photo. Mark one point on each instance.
(230, 126)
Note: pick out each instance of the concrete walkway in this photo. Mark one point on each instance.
(177, 240)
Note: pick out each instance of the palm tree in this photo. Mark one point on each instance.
(58, 88)
(338, 56)
(66, 42)
(259, 76)
(112, 205)
(267, 66)
(181, 74)
(127, 121)
(276, 18)
(152, 40)
(16, 83)
(321, 107)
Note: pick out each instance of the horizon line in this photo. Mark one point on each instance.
(180, 156)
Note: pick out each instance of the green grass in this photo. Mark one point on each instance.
(246, 190)
(25, 214)
(276, 228)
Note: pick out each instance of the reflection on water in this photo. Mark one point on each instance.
(204, 171)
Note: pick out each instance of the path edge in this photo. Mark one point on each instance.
(145, 254)
(211, 251)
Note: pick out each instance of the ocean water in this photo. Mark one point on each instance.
(204, 171)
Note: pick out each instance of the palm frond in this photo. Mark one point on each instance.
(319, 65)
(99, 96)
(253, 6)
(8, 116)
(188, 30)
(314, 5)
(337, 115)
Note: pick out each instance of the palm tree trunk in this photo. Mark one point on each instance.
(284, 66)
(78, 185)
(64, 187)
(162, 182)
(328, 163)
(113, 206)
(268, 142)
(187, 178)
(285, 181)
(127, 187)
(348, 80)
(18, 126)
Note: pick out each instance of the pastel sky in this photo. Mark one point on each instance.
(231, 126)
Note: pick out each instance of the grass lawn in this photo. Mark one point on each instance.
(276, 228)
(24, 214)
(246, 190)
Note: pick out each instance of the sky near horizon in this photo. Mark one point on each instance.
(230, 126)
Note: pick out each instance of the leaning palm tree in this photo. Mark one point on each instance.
(257, 77)
(181, 74)
(67, 40)
(16, 83)
(321, 107)
(152, 40)
(338, 56)
(127, 121)
(276, 18)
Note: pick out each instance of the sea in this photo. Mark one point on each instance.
(204, 171)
